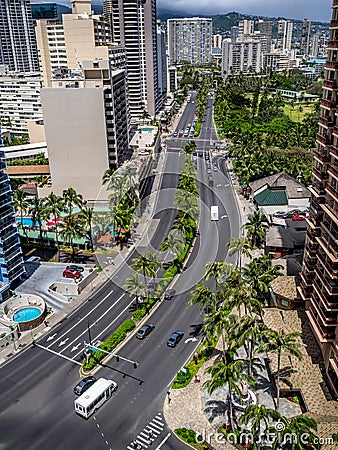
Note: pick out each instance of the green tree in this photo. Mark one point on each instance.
(21, 204)
(219, 270)
(39, 213)
(229, 375)
(55, 206)
(255, 228)
(281, 343)
(242, 246)
(204, 296)
(146, 265)
(293, 432)
(86, 218)
(70, 198)
(70, 230)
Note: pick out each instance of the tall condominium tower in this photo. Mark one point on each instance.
(133, 25)
(17, 38)
(189, 40)
(265, 28)
(240, 57)
(319, 278)
(11, 261)
(305, 38)
(245, 28)
(284, 35)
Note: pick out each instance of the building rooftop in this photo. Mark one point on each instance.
(292, 187)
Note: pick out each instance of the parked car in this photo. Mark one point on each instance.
(175, 338)
(279, 214)
(215, 169)
(298, 217)
(209, 170)
(68, 273)
(76, 268)
(145, 330)
(169, 293)
(84, 384)
(175, 134)
(35, 259)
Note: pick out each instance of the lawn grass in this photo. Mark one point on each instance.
(295, 114)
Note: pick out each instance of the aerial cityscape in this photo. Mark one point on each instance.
(168, 225)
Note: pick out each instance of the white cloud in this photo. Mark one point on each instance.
(298, 9)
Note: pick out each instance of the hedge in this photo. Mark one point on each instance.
(109, 345)
(189, 436)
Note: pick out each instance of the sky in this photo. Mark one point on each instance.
(294, 9)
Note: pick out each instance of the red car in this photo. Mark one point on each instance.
(298, 217)
(69, 273)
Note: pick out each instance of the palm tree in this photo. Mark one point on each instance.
(255, 414)
(227, 374)
(252, 330)
(219, 270)
(70, 230)
(135, 286)
(294, 430)
(174, 242)
(255, 228)
(242, 246)
(204, 296)
(70, 198)
(55, 206)
(281, 343)
(86, 218)
(39, 213)
(145, 265)
(21, 204)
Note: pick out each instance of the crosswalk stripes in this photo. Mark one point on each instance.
(151, 431)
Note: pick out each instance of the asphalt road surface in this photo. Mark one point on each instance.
(36, 387)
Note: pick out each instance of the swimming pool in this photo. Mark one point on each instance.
(26, 314)
(27, 222)
(146, 129)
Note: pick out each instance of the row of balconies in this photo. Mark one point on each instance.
(329, 301)
(326, 318)
(330, 84)
(324, 334)
(333, 171)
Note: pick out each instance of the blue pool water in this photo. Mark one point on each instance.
(145, 129)
(27, 221)
(26, 314)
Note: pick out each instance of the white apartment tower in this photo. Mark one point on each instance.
(284, 35)
(18, 48)
(245, 28)
(189, 40)
(133, 25)
(305, 38)
(241, 57)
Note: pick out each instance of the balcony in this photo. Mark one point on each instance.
(335, 3)
(326, 122)
(330, 302)
(332, 45)
(327, 318)
(322, 156)
(5, 190)
(333, 171)
(328, 103)
(332, 191)
(330, 285)
(323, 334)
(320, 175)
(324, 139)
(334, 151)
(330, 84)
(330, 268)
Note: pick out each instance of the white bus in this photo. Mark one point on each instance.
(214, 213)
(91, 400)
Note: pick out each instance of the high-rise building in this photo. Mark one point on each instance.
(189, 40)
(275, 62)
(133, 25)
(162, 62)
(284, 35)
(305, 38)
(234, 33)
(17, 38)
(20, 100)
(319, 277)
(11, 261)
(245, 28)
(51, 43)
(86, 117)
(265, 28)
(240, 57)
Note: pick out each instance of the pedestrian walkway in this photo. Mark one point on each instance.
(150, 433)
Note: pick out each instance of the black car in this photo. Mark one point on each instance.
(84, 384)
(169, 293)
(175, 338)
(75, 268)
(145, 330)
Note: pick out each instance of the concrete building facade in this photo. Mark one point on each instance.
(319, 277)
(284, 35)
(305, 38)
(240, 57)
(17, 38)
(20, 101)
(189, 40)
(133, 25)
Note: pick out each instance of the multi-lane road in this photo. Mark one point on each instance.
(36, 397)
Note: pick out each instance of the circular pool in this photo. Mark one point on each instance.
(26, 314)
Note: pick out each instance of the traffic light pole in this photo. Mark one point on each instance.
(118, 357)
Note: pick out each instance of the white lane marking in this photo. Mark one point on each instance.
(64, 342)
(110, 324)
(163, 441)
(157, 426)
(85, 330)
(83, 318)
(193, 339)
(58, 354)
(76, 347)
